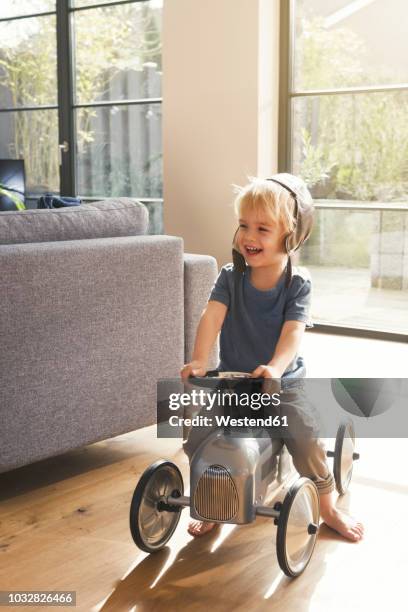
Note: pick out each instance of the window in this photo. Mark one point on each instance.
(344, 129)
(80, 97)
(28, 93)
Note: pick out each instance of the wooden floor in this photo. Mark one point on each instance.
(64, 526)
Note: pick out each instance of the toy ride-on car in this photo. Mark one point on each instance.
(231, 480)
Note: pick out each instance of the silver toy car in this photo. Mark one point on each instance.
(234, 479)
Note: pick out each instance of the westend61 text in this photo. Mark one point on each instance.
(228, 421)
(209, 400)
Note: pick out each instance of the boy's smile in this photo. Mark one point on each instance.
(251, 251)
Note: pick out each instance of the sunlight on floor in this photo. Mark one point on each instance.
(225, 532)
(274, 585)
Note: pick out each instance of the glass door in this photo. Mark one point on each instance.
(28, 91)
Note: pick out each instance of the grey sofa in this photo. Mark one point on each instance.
(93, 313)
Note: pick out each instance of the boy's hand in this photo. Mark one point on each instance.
(264, 371)
(194, 368)
(269, 372)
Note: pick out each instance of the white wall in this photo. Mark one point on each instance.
(220, 67)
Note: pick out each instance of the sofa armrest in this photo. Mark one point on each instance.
(87, 328)
(200, 272)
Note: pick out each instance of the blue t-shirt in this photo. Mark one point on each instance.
(254, 319)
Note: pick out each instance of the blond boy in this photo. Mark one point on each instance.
(261, 304)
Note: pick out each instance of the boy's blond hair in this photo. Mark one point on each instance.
(261, 195)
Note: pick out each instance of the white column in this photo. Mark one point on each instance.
(220, 96)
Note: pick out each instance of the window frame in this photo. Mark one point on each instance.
(287, 93)
(66, 107)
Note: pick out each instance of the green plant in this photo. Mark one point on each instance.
(315, 167)
(359, 139)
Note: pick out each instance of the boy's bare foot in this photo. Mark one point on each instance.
(345, 525)
(199, 528)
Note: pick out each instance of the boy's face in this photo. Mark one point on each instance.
(260, 239)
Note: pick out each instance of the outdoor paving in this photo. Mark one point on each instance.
(343, 296)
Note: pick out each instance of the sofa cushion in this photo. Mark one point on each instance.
(107, 219)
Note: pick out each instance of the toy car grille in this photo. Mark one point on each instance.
(216, 496)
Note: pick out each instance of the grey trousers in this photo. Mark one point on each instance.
(300, 437)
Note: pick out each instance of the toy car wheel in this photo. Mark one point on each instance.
(298, 524)
(344, 456)
(152, 521)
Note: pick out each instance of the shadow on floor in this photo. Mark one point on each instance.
(241, 574)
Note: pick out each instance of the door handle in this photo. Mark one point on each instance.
(62, 148)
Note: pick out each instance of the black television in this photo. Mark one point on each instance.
(12, 184)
